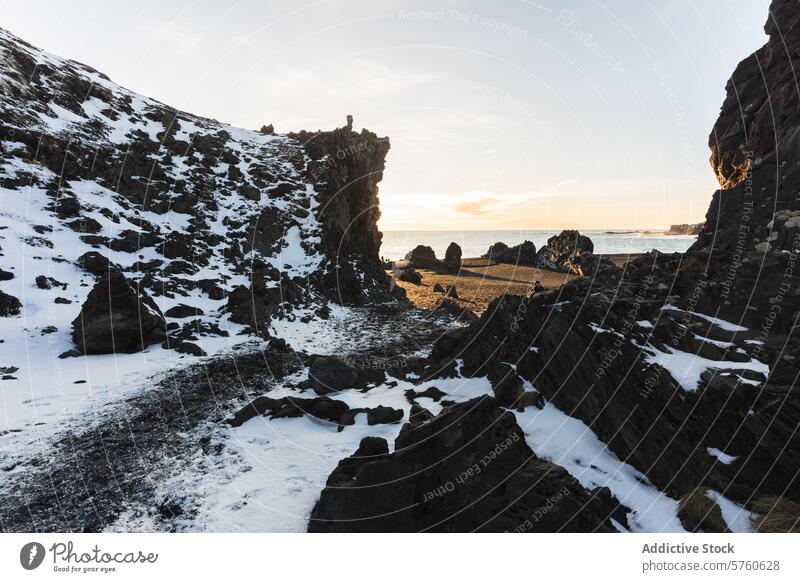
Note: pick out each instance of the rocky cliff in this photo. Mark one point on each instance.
(244, 225)
(754, 146)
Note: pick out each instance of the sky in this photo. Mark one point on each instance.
(519, 114)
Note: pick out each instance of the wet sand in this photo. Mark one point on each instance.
(480, 281)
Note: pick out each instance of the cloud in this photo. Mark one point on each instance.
(180, 38)
(479, 207)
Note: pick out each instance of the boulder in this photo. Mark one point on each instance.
(463, 314)
(563, 246)
(467, 469)
(212, 288)
(384, 415)
(521, 254)
(410, 275)
(190, 348)
(95, 263)
(329, 374)
(452, 256)
(117, 317)
(181, 311)
(322, 408)
(254, 306)
(9, 305)
(422, 256)
(506, 385)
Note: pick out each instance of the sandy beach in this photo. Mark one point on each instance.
(481, 280)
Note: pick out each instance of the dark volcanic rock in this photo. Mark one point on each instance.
(328, 374)
(410, 275)
(322, 408)
(754, 145)
(384, 415)
(255, 305)
(422, 256)
(95, 263)
(6, 275)
(117, 316)
(189, 348)
(463, 314)
(346, 168)
(564, 249)
(9, 305)
(468, 469)
(181, 311)
(594, 361)
(521, 254)
(452, 256)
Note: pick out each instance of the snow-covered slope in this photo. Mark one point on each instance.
(93, 174)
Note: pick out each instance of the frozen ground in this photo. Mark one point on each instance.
(271, 472)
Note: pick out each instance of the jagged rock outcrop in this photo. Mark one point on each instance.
(322, 408)
(330, 374)
(117, 317)
(565, 249)
(467, 469)
(410, 275)
(521, 254)
(754, 146)
(635, 357)
(345, 168)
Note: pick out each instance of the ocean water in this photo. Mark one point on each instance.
(475, 243)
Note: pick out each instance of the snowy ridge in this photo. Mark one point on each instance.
(181, 204)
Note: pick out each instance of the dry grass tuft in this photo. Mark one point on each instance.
(776, 515)
(700, 513)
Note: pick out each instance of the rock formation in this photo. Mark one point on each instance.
(754, 146)
(467, 469)
(452, 256)
(117, 317)
(521, 254)
(422, 256)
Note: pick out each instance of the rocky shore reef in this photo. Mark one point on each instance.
(569, 252)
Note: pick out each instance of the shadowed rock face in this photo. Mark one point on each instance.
(467, 469)
(754, 146)
(585, 351)
(613, 350)
(117, 317)
(347, 167)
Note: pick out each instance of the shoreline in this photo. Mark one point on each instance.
(480, 281)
